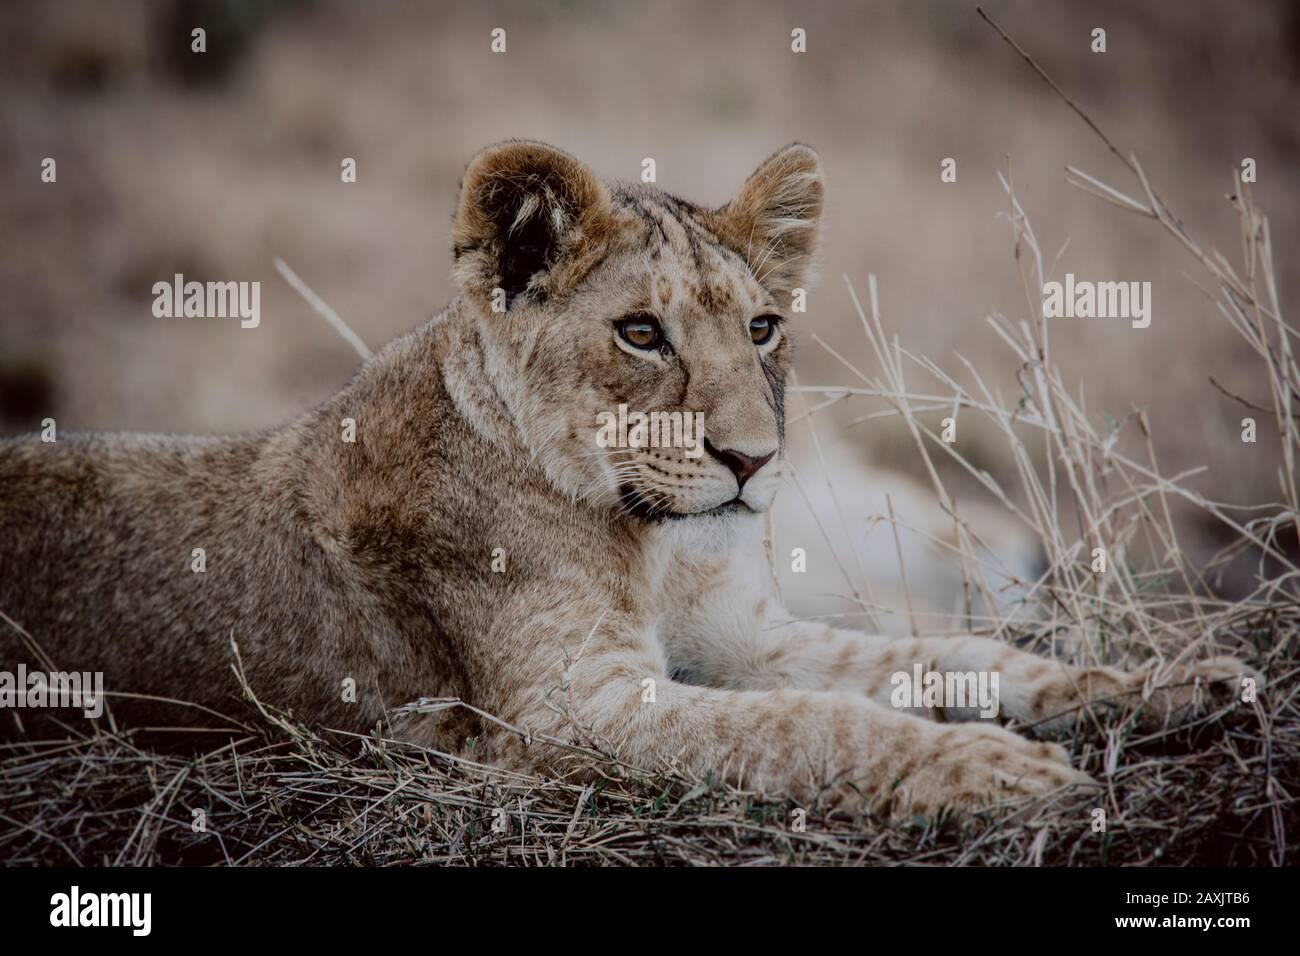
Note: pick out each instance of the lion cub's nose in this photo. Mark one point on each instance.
(741, 465)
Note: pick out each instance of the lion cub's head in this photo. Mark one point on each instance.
(617, 318)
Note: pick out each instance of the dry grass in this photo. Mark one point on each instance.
(1212, 793)
(1218, 792)
(1221, 791)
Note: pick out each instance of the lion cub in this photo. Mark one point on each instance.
(475, 539)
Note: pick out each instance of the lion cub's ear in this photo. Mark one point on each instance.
(772, 222)
(527, 214)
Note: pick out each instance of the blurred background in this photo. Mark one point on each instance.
(214, 164)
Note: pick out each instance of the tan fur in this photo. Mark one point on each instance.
(373, 560)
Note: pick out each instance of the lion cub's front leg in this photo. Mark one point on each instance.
(731, 633)
(827, 747)
(1041, 695)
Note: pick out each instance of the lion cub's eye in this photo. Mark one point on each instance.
(762, 329)
(641, 331)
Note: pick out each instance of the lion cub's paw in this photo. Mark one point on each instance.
(971, 766)
(1196, 689)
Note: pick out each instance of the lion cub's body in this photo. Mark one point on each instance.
(475, 542)
(309, 550)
